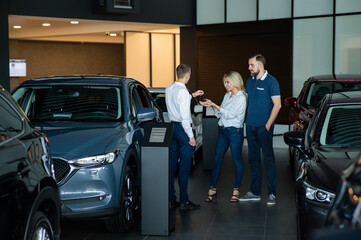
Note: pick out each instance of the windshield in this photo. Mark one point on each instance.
(71, 103)
(342, 126)
(319, 89)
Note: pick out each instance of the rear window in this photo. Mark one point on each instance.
(72, 103)
(319, 89)
(342, 126)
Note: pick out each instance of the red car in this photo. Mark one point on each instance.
(314, 89)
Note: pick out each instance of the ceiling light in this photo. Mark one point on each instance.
(74, 22)
(46, 24)
(17, 27)
(113, 34)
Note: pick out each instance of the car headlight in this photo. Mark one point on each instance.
(317, 194)
(94, 160)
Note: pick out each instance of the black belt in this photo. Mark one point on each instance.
(175, 122)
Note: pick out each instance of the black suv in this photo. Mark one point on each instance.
(29, 197)
(330, 143)
(314, 89)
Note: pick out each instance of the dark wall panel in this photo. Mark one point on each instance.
(223, 53)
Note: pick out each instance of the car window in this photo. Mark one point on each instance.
(144, 97)
(342, 126)
(319, 89)
(10, 121)
(159, 99)
(71, 103)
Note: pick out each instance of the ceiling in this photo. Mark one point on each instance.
(61, 29)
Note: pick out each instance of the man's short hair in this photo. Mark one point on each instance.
(182, 70)
(259, 58)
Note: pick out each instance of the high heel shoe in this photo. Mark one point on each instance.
(235, 195)
(212, 194)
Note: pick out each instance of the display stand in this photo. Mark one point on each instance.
(210, 135)
(155, 179)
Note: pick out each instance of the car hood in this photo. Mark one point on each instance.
(72, 140)
(325, 172)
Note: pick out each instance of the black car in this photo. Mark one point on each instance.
(331, 142)
(29, 196)
(344, 218)
(346, 209)
(314, 89)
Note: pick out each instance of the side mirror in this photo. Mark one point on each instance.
(295, 139)
(146, 114)
(291, 102)
(198, 109)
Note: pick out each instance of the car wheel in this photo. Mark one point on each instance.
(124, 221)
(40, 228)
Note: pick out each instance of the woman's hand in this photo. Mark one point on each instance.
(206, 103)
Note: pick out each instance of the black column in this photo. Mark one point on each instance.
(4, 45)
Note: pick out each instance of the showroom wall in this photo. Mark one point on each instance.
(323, 38)
(64, 58)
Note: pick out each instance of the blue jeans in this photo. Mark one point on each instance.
(179, 149)
(257, 138)
(233, 138)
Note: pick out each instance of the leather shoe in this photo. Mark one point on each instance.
(189, 206)
(174, 204)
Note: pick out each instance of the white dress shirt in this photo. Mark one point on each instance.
(233, 110)
(178, 101)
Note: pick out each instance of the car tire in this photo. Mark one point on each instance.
(40, 227)
(125, 219)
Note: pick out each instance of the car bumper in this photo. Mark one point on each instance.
(312, 215)
(91, 192)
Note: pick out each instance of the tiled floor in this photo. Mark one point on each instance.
(223, 219)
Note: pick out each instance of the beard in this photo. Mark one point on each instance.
(254, 74)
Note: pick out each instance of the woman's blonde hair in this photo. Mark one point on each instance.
(235, 79)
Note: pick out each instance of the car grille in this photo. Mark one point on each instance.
(61, 168)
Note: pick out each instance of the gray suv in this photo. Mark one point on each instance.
(95, 126)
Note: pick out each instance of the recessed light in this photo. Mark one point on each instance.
(74, 22)
(113, 34)
(17, 27)
(46, 24)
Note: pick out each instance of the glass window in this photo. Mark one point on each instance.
(342, 126)
(312, 49)
(241, 10)
(319, 7)
(210, 11)
(348, 45)
(159, 98)
(10, 121)
(273, 9)
(346, 6)
(70, 103)
(319, 89)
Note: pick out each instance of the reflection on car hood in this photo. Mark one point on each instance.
(326, 172)
(71, 140)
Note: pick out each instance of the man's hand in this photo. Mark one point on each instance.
(198, 93)
(192, 141)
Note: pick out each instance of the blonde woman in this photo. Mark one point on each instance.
(231, 115)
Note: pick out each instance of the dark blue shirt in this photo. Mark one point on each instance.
(260, 93)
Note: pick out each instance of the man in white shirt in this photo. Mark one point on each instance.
(178, 101)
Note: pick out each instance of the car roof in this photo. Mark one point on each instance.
(156, 90)
(332, 77)
(344, 98)
(77, 80)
